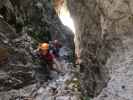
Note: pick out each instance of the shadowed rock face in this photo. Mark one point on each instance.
(44, 19)
(15, 72)
(103, 33)
(35, 17)
(19, 19)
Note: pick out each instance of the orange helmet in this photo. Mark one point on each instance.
(44, 46)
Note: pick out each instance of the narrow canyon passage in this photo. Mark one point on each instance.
(96, 38)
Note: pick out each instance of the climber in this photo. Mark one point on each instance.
(57, 45)
(46, 55)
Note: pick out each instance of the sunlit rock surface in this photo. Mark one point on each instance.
(104, 43)
(89, 45)
(116, 16)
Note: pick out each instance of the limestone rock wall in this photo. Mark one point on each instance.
(104, 38)
(19, 20)
(89, 45)
(116, 16)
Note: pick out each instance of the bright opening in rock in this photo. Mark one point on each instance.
(65, 17)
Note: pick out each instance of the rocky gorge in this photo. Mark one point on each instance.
(103, 44)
